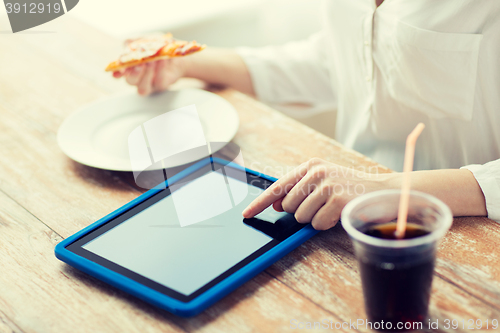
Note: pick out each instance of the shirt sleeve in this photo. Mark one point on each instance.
(488, 178)
(296, 72)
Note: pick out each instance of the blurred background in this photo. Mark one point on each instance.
(225, 23)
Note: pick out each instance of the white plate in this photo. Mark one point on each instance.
(97, 134)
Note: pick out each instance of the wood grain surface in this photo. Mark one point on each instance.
(45, 197)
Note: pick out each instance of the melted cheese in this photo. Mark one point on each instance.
(144, 48)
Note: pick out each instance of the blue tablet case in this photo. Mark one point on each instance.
(158, 299)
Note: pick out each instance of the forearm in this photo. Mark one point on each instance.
(221, 67)
(455, 187)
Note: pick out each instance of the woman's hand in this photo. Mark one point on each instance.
(154, 76)
(317, 191)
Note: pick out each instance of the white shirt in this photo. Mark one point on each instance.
(385, 69)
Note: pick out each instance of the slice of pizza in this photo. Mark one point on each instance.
(151, 48)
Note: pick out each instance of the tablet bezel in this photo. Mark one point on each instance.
(72, 252)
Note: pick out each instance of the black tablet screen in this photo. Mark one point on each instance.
(191, 235)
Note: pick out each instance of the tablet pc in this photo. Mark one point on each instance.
(184, 244)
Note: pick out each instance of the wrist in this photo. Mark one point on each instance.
(455, 187)
(183, 64)
(190, 65)
(391, 181)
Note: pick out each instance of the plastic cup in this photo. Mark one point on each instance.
(396, 274)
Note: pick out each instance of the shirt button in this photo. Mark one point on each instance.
(367, 43)
(368, 79)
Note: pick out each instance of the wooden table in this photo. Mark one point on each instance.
(45, 197)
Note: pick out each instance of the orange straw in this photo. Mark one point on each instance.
(405, 188)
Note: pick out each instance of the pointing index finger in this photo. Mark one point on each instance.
(274, 192)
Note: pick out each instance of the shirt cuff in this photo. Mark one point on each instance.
(488, 178)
